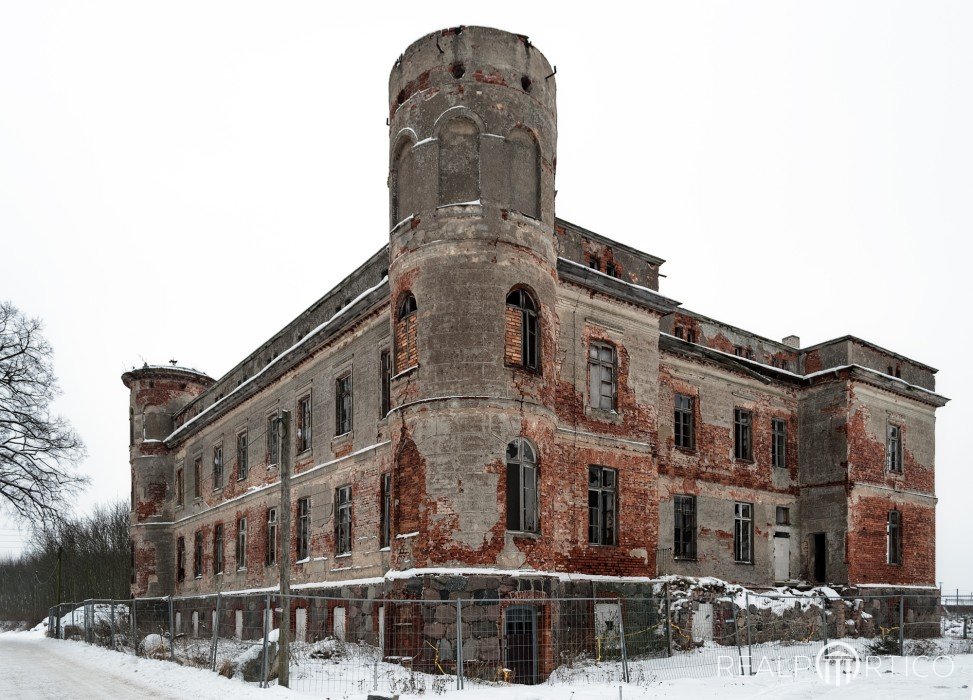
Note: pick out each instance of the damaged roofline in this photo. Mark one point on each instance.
(648, 257)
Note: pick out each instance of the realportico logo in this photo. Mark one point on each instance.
(837, 663)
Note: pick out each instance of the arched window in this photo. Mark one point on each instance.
(459, 161)
(522, 330)
(406, 351)
(522, 504)
(524, 172)
(402, 182)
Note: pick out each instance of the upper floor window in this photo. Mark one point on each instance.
(894, 537)
(743, 532)
(304, 424)
(601, 376)
(742, 434)
(522, 330)
(611, 270)
(685, 429)
(684, 530)
(180, 487)
(343, 405)
(242, 456)
(198, 477)
(273, 440)
(522, 506)
(342, 524)
(385, 361)
(778, 453)
(218, 466)
(893, 448)
(406, 350)
(602, 505)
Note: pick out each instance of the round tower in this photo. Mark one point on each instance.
(156, 394)
(473, 136)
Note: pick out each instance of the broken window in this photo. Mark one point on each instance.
(386, 362)
(181, 559)
(594, 262)
(893, 448)
(218, 466)
(304, 424)
(385, 538)
(180, 487)
(218, 549)
(198, 477)
(783, 515)
(406, 350)
(894, 539)
(270, 557)
(778, 456)
(343, 404)
(601, 376)
(273, 443)
(521, 330)
(198, 556)
(742, 434)
(242, 456)
(685, 433)
(611, 270)
(602, 504)
(303, 529)
(241, 543)
(522, 513)
(684, 533)
(743, 532)
(342, 534)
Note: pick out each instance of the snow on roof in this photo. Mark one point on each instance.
(619, 280)
(171, 367)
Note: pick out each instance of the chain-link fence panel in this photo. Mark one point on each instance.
(783, 632)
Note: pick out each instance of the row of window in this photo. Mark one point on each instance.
(302, 544)
(684, 429)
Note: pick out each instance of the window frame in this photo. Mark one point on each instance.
(242, 455)
(198, 554)
(385, 365)
(197, 477)
(778, 443)
(684, 422)
(180, 559)
(783, 516)
(344, 404)
(742, 434)
(343, 520)
(597, 364)
(305, 423)
(525, 498)
(272, 545)
(743, 517)
(241, 544)
(893, 448)
(684, 527)
(219, 553)
(272, 456)
(893, 538)
(303, 539)
(218, 466)
(603, 513)
(180, 487)
(525, 304)
(385, 521)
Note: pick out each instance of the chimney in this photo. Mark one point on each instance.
(792, 341)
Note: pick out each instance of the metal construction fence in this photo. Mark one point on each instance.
(355, 645)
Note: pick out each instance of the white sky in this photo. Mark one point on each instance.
(179, 180)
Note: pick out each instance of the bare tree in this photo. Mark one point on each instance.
(38, 451)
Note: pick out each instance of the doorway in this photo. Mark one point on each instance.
(782, 556)
(820, 553)
(520, 627)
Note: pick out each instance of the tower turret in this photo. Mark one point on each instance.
(473, 268)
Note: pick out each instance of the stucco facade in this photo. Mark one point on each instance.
(491, 342)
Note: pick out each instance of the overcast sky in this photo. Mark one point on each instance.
(179, 180)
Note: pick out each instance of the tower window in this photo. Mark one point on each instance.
(521, 330)
(406, 350)
(522, 515)
(893, 449)
(523, 172)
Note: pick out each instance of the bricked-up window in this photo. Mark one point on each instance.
(685, 422)
(602, 505)
(385, 535)
(342, 521)
(198, 556)
(406, 325)
(684, 533)
(304, 424)
(241, 543)
(180, 487)
(778, 448)
(386, 368)
(893, 448)
(459, 161)
(521, 330)
(523, 172)
(343, 404)
(601, 376)
(894, 539)
(303, 529)
(270, 558)
(743, 532)
(522, 515)
(218, 549)
(783, 515)
(742, 434)
(218, 466)
(242, 456)
(273, 431)
(181, 559)
(198, 477)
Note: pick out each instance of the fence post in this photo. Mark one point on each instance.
(135, 629)
(824, 619)
(966, 625)
(749, 641)
(621, 637)
(88, 614)
(216, 631)
(736, 634)
(268, 621)
(172, 633)
(459, 644)
(901, 625)
(665, 588)
(111, 622)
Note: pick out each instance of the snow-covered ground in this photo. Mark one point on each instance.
(33, 666)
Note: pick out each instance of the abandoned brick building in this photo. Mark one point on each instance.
(501, 393)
